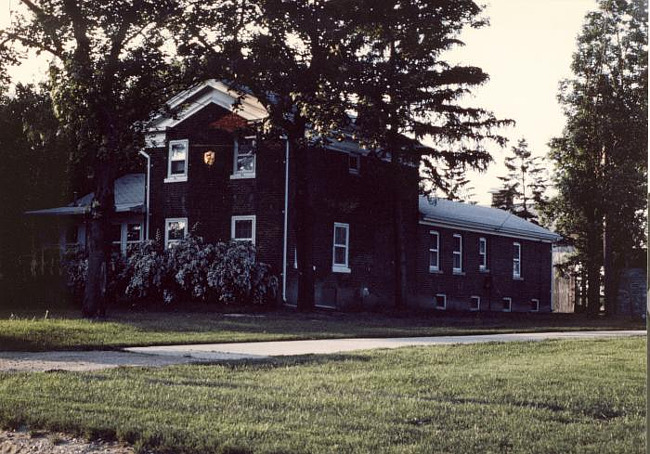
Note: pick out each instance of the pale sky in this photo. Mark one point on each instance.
(526, 50)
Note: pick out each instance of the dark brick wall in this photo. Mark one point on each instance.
(364, 202)
(209, 197)
(535, 282)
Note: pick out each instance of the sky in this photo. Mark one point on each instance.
(526, 50)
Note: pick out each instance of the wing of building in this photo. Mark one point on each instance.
(208, 170)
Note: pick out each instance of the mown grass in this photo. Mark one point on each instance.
(547, 397)
(66, 331)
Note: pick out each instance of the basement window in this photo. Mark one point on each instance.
(441, 301)
(507, 304)
(534, 305)
(474, 303)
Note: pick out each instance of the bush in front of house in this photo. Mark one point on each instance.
(193, 270)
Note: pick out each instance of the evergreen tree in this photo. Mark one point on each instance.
(404, 87)
(524, 185)
(450, 182)
(601, 156)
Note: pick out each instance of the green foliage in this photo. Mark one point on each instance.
(523, 187)
(601, 157)
(536, 397)
(196, 271)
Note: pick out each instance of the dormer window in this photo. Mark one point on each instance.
(177, 160)
(244, 157)
(354, 164)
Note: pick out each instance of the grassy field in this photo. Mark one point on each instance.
(548, 397)
(31, 331)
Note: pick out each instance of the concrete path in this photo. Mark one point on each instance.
(183, 354)
(261, 350)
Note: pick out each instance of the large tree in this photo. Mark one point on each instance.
(601, 156)
(292, 56)
(406, 89)
(110, 70)
(524, 185)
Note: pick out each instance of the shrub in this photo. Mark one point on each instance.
(192, 270)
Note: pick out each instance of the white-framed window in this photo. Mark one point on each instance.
(242, 228)
(507, 304)
(474, 303)
(534, 305)
(482, 254)
(125, 234)
(458, 253)
(354, 163)
(341, 248)
(434, 251)
(244, 159)
(177, 160)
(175, 231)
(516, 260)
(441, 301)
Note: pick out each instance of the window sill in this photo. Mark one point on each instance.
(175, 179)
(435, 271)
(517, 278)
(484, 270)
(242, 176)
(458, 273)
(341, 269)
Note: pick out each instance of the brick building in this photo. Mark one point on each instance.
(207, 171)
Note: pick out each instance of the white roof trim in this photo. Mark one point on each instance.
(206, 93)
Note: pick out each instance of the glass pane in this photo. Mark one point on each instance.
(245, 163)
(456, 261)
(481, 246)
(116, 233)
(339, 255)
(176, 230)
(133, 232)
(178, 167)
(339, 236)
(433, 259)
(516, 251)
(246, 147)
(244, 229)
(179, 152)
(457, 241)
(434, 242)
(516, 268)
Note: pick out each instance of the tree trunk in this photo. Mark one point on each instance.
(608, 262)
(304, 220)
(398, 229)
(101, 213)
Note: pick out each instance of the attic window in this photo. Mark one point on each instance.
(244, 157)
(177, 160)
(354, 164)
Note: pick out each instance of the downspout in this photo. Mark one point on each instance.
(286, 220)
(147, 185)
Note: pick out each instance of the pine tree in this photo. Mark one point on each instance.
(524, 185)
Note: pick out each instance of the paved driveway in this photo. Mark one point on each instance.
(260, 350)
(182, 354)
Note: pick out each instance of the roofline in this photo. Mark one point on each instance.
(469, 226)
(83, 209)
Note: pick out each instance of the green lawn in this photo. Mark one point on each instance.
(65, 330)
(585, 396)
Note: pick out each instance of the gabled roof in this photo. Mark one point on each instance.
(211, 91)
(129, 197)
(457, 215)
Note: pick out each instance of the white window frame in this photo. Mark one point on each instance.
(357, 159)
(338, 267)
(536, 303)
(173, 178)
(458, 270)
(478, 303)
(169, 221)
(124, 239)
(444, 301)
(507, 308)
(516, 262)
(234, 220)
(436, 267)
(240, 174)
(482, 266)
